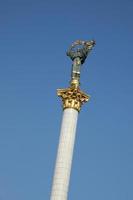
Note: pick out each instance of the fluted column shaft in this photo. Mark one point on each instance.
(64, 155)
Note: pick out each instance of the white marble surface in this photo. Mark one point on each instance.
(64, 155)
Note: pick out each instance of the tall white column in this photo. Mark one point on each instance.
(72, 100)
(64, 155)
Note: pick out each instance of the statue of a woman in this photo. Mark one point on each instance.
(78, 53)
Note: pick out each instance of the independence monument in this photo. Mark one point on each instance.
(72, 99)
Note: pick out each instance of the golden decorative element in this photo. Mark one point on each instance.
(72, 97)
(74, 83)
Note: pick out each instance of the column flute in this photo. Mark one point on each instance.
(72, 100)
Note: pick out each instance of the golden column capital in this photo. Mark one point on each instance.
(72, 97)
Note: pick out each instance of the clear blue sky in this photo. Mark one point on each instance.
(34, 37)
